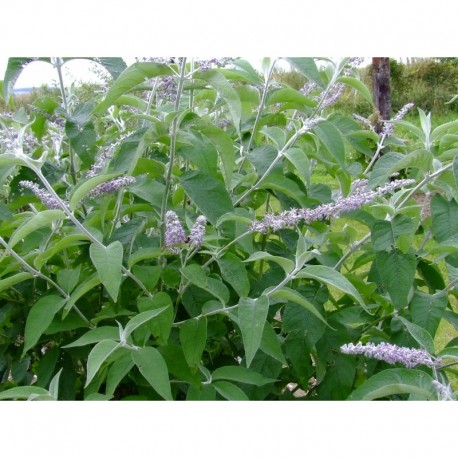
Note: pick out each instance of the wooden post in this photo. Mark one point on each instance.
(381, 85)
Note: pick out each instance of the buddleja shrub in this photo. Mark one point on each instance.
(171, 239)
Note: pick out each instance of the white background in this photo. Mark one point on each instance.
(251, 29)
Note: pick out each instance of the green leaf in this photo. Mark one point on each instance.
(98, 356)
(358, 85)
(161, 326)
(252, 315)
(294, 296)
(224, 146)
(427, 311)
(208, 194)
(397, 273)
(108, 262)
(395, 381)
(131, 77)
(89, 283)
(95, 335)
(289, 95)
(23, 392)
(113, 65)
(67, 279)
(39, 318)
(142, 254)
(299, 159)
(419, 334)
(6, 283)
(140, 319)
(229, 391)
(241, 374)
(331, 138)
(234, 272)
(37, 221)
(117, 371)
(439, 131)
(286, 186)
(270, 344)
(286, 264)
(226, 91)
(307, 66)
(330, 276)
(196, 275)
(193, 338)
(444, 218)
(385, 233)
(153, 367)
(85, 187)
(382, 169)
(54, 385)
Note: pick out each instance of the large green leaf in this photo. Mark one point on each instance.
(358, 85)
(193, 337)
(39, 318)
(307, 66)
(241, 374)
(234, 272)
(427, 311)
(117, 371)
(24, 392)
(95, 335)
(98, 356)
(216, 79)
(141, 319)
(331, 138)
(161, 326)
(395, 381)
(113, 65)
(131, 77)
(299, 159)
(7, 282)
(397, 272)
(108, 262)
(383, 168)
(330, 276)
(419, 334)
(153, 367)
(270, 344)
(384, 233)
(208, 194)
(293, 296)
(288, 95)
(37, 221)
(444, 218)
(252, 315)
(229, 391)
(88, 284)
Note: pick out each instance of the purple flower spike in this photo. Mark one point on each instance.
(111, 186)
(196, 237)
(392, 354)
(174, 232)
(43, 195)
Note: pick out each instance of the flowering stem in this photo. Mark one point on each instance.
(260, 110)
(168, 181)
(376, 154)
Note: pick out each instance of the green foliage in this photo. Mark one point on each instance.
(245, 251)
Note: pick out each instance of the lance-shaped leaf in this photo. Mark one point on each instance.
(131, 77)
(252, 315)
(153, 367)
(95, 335)
(98, 356)
(108, 262)
(193, 337)
(229, 391)
(241, 374)
(6, 283)
(330, 276)
(419, 334)
(140, 319)
(39, 318)
(395, 381)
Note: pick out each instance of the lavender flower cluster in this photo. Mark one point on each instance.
(444, 391)
(213, 62)
(10, 142)
(364, 121)
(45, 197)
(307, 88)
(392, 354)
(110, 186)
(175, 235)
(388, 126)
(325, 100)
(358, 197)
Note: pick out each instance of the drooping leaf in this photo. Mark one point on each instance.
(208, 194)
(89, 283)
(95, 335)
(252, 315)
(330, 276)
(270, 344)
(229, 391)
(153, 367)
(307, 66)
(161, 326)
(332, 140)
(108, 262)
(24, 392)
(140, 319)
(286, 264)
(193, 338)
(234, 272)
(39, 318)
(98, 356)
(117, 371)
(240, 374)
(131, 77)
(419, 334)
(7, 282)
(427, 311)
(395, 381)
